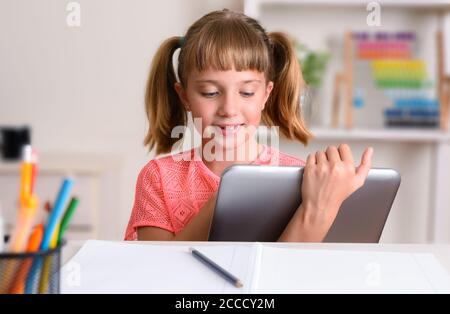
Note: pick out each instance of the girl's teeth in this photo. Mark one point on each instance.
(230, 129)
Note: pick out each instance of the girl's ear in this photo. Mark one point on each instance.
(269, 89)
(182, 95)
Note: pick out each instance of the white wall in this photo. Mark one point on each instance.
(81, 89)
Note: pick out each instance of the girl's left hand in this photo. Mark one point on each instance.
(328, 179)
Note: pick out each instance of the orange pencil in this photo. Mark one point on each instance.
(34, 242)
(35, 238)
(28, 204)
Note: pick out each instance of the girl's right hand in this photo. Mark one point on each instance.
(328, 179)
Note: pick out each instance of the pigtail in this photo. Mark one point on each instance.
(163, 106)
(283, 106)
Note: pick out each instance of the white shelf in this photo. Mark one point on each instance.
(65, 164)
(382, 135)
(390, 3)
(385, 135)
(252, 7)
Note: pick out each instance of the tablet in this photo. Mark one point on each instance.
(255, 203)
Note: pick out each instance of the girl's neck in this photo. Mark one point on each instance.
(251, 151)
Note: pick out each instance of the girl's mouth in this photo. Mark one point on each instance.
(230, 129)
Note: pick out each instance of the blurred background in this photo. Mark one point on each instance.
(73, 74)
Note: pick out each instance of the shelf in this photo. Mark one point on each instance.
(252, 7)
(378, 135)
(385, 135)
(66, 164)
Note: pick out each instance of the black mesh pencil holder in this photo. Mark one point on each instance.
(31, 273)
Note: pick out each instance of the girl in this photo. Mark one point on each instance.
(231, 74)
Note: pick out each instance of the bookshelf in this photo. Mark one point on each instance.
(383, 135)
(95, 184)
(318, 24)
(324, 25)
(253, 7)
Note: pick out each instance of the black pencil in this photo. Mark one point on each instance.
(219, 270)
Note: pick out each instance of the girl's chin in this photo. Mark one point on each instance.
(229, 130)
(231, 143)
(228, 145)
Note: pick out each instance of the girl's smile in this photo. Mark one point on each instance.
(229, 129)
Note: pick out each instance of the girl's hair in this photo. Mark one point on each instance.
(220, 41)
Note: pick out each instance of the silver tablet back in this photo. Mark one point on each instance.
(255, 203)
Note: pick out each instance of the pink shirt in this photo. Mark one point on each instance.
(171, 190)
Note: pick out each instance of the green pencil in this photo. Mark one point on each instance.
(66, 218)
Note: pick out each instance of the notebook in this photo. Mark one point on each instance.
(130, 267)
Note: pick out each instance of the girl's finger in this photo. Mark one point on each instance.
(366, 162)
(346, 153)
(321, 158)
(333, 154)
(311, 160)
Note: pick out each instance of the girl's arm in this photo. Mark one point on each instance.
(328, 179)
(196, 230)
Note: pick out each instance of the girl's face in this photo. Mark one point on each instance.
(228, 102)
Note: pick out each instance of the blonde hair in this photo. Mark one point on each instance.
(220, 41)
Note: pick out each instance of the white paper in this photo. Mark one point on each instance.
(330, 271)
(115, 267)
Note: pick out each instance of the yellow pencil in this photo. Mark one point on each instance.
(45, 274)
(55, 236)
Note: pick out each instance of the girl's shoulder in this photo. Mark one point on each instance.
(175, 158)
(175, 163)
(178, 172)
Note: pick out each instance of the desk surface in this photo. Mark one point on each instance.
(441, 251)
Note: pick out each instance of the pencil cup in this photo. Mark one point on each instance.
(31, 273)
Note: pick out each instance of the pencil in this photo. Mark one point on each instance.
(216, 268)
(63, 226)
(56, 213)
(34, 242)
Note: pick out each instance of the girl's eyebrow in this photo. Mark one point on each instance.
(217, 82)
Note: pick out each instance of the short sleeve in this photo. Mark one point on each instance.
(149, 209)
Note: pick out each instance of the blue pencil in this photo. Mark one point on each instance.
(53, 220)
(57, 212)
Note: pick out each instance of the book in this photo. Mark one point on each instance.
(133, 267)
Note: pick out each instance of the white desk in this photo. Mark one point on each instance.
(117, 267)
(442, 252)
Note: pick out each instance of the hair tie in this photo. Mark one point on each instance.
(182, 41)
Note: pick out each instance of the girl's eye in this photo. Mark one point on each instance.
(247, 94)
(209, 95)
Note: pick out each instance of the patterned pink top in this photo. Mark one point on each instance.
(171, 190)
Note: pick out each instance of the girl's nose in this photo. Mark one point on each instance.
(228, 106)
